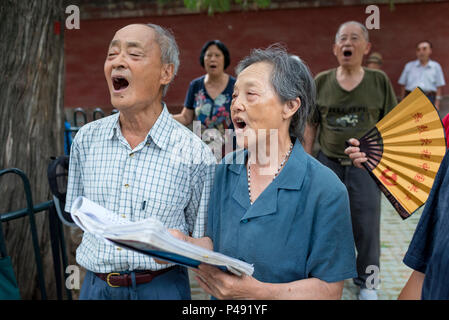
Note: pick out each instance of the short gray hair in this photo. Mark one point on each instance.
(290, 78)
(169, 49)
(361, 26)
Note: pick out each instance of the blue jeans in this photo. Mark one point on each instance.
(172, 285)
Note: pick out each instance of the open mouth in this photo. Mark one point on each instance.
(239, 123)
(347, 53)
(119, 83)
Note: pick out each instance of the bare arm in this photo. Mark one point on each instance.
(223, 285)
(402, 92)
(307, 289)
(226, 286)
(413, 287)
(309, 137)
(185, 117)
(438, 98)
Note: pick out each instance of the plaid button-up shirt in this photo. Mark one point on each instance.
(169, 176)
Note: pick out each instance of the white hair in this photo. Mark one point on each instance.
(362, 27)
(290, 78)
(169, 49)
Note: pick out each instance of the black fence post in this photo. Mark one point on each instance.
(30, 212)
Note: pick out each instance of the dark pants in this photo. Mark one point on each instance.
(364, 199)
(172, 285)
(431, 95)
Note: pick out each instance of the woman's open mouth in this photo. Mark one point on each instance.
(119, 83)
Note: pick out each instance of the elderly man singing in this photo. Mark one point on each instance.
(139, 163)
(351, 99)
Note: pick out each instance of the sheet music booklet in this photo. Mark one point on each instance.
(149, 237)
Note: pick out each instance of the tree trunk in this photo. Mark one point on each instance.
(31, 125)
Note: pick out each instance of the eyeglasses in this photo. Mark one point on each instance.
(352, 38)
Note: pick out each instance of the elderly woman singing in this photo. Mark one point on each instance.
(280, 209)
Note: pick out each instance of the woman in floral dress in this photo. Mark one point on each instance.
(209, 98)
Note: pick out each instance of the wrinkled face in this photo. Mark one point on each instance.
(423, 51)
(133, 67)
(351, 46)
(214, 60)
(255, 105)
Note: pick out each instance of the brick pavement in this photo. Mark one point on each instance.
(395, 235)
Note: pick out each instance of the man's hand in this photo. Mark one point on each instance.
(355, 154)
(177, 234)
(204, 242)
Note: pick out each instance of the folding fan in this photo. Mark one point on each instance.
(404, 152)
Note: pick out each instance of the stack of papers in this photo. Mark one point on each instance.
(149, 237)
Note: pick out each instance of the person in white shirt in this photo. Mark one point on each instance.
(424, 73)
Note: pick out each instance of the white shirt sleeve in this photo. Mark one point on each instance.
(75, 186)
(403, 78)
(439, 76)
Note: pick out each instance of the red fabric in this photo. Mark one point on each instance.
(446, 128)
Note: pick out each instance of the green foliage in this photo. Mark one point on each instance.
(212, 6)
(391, 2)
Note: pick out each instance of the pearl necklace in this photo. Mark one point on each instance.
(275, 175)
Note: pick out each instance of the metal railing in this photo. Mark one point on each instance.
(78, 113)
(29, 211)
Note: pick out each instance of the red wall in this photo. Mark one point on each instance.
(307, 32)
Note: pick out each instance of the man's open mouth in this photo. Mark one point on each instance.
(347, 53)
(239, 123)
(119, 83)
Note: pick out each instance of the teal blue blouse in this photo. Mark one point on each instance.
(299, 227)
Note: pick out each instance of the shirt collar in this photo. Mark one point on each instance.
(291, 177)
(113, 126)
(418, 64)
(295, 167)
(159, 133)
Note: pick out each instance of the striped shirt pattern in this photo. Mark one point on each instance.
(168, 176)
